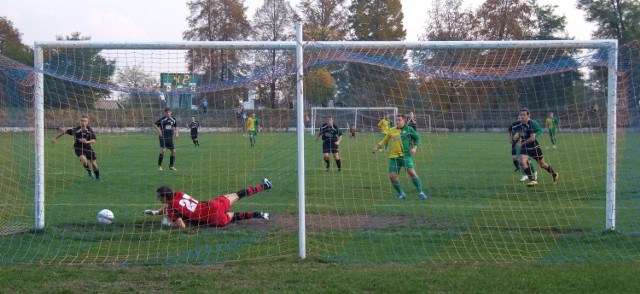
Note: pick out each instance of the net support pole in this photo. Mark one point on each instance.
(38, 107)
(300, 132)
(612, 83)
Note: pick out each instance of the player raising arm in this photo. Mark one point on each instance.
(404, 143)
(181, 209)
(84, 137)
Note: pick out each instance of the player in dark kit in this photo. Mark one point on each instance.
(167, 127)
(84, 137)
(182, 208)
(193, 127)
(530, 147)
(331, 137)
(514, 136)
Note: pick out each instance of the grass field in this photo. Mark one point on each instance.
(477, 210)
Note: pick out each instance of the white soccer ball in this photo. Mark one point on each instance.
(105, 217)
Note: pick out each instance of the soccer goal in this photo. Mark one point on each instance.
(465, 96)
(363, 119)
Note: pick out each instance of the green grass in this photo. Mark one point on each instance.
(477, 210)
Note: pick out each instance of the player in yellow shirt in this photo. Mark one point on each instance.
(404, 143)
(384, 125)
(553, 125)
(251, 128)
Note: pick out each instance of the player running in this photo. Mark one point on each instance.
(193, 128)
(182, 209)
(404, 143)
(514, 137)
(84, 137)
(531, 148)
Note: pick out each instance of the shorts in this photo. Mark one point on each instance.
(88, 153)
(167, 143)
(218, 209)
(553, 131)
(329, 147)
(396, 164)
(253, 133)
(535, 152)
(194, 136)
(514, 150)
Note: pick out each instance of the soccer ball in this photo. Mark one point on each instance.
(105, 217)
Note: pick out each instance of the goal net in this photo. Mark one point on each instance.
(464, 96)
(359, 118)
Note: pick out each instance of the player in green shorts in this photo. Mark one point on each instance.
(404, 143)
(553, 125)
(251, 128)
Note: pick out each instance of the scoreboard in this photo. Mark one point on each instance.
(179, 89)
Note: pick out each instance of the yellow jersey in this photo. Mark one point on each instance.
(400, 141)
(384, 126)
(250, 124)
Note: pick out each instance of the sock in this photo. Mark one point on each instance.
(172, 158)
(532, 166)
(250, 191)
(338, 163)
(97, 172)
(195, 143)
(550, 170)
(528, 172)
(238, 216)
(86, 167)
(416, 182)
(160, 157)
(396, 185)
(327, 163)
(516, 164)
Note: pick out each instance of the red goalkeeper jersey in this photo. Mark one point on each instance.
(213, 212)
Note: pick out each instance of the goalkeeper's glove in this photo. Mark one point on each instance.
(152, 212)
(166, 222)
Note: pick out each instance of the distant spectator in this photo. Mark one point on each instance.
(205, 104)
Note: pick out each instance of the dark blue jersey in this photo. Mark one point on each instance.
(330, 133)
(193, 127)
(79, 133)
(167, 126)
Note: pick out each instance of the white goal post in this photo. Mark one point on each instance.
(299, 45)
(350, 117)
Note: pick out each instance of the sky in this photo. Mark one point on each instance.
(165, 20)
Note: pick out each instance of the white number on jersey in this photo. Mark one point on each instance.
(188, 202)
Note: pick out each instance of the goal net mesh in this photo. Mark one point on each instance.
(464, 100)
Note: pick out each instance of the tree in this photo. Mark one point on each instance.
(377, 20)
(548, 25)
(11, 47)
(274, 21)
(319, 86)
(325, 20)
(140, 84)
(505, 20)
(72, 75)
(217, 20)
(617, 19)
(449, 21)
(11, 43)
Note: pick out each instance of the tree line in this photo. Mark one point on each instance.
(324, 20)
